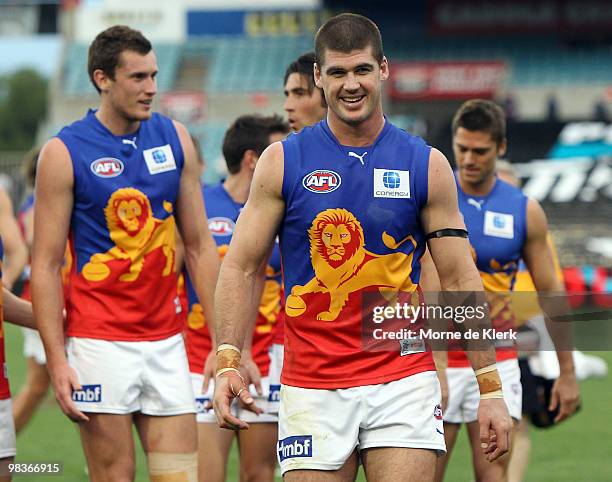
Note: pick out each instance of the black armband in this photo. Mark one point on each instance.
(443, 233)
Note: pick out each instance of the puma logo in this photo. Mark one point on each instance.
(354, 154)
(131, 142)
(476, 204)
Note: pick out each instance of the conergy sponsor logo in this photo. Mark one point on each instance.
(322, 181)
(297, 446)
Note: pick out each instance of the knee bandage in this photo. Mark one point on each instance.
(173, 467)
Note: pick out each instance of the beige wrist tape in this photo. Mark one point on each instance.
(227, 358)
(225, 370)
(227, 346)
(495, 394)
(489, 382)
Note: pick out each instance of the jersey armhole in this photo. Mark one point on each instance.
(289, 168)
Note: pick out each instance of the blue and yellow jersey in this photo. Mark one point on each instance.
(222, 212)
(497, 227)
(525, 299)
(351, 226)
(122, 284)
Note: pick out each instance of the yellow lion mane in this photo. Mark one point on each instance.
(134, 232)
(332, 272)
(118, 233)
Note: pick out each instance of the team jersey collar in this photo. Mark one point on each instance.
(128, 141)
(481, 199)
(356, 152)
(225, 193)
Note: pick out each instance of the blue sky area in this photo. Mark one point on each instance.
(41, 52)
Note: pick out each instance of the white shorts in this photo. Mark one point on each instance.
(33, 346)
(120, 377)
(208, 416)
(277, 355)
(8, 444)
(464, 395)
(319, 429)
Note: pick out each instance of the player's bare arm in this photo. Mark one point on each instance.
(54, 200)
(457, 272)
(248, 367)
(15, 250)
(237, 292)
(539, 260)
(201, 255)
(16, 310)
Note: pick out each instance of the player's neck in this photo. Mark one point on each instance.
(238, 186)
(114, 122)
(357, 135)
(478, 189)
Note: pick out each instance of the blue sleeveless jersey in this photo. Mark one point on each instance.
(351, 226)
(497, 227)
(222, 212)
(122, 233)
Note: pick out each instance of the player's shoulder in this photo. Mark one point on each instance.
(509, 191)
(305, 135)
(78, 127)
(397, 134)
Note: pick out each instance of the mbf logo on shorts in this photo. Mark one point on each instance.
(201, 404)
(274, 395)
(297, 446)
(322, 181)
(88, 393)
(391, 183)
(106, 167)
(159, 159)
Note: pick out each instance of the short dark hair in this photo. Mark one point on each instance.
(481, 115)
(347, 32)
(106, 48)
(304, 66)
(249, 132)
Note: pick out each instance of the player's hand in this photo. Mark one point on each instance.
(210, 368)
(228, 386)
(495, 428)
(250, 371)
(565, 395)
(65, 380)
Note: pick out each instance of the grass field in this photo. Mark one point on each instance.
(578, 450)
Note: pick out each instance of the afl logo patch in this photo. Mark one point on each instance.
(107, 167)
(221, 226)
(322, 181)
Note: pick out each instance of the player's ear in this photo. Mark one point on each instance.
(384, 69)
(102, 80)
(317, 76)
(501, 149)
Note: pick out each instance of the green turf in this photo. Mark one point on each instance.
(578, 450)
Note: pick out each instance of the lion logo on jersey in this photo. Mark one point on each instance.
(342, 265)
(135, 232)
